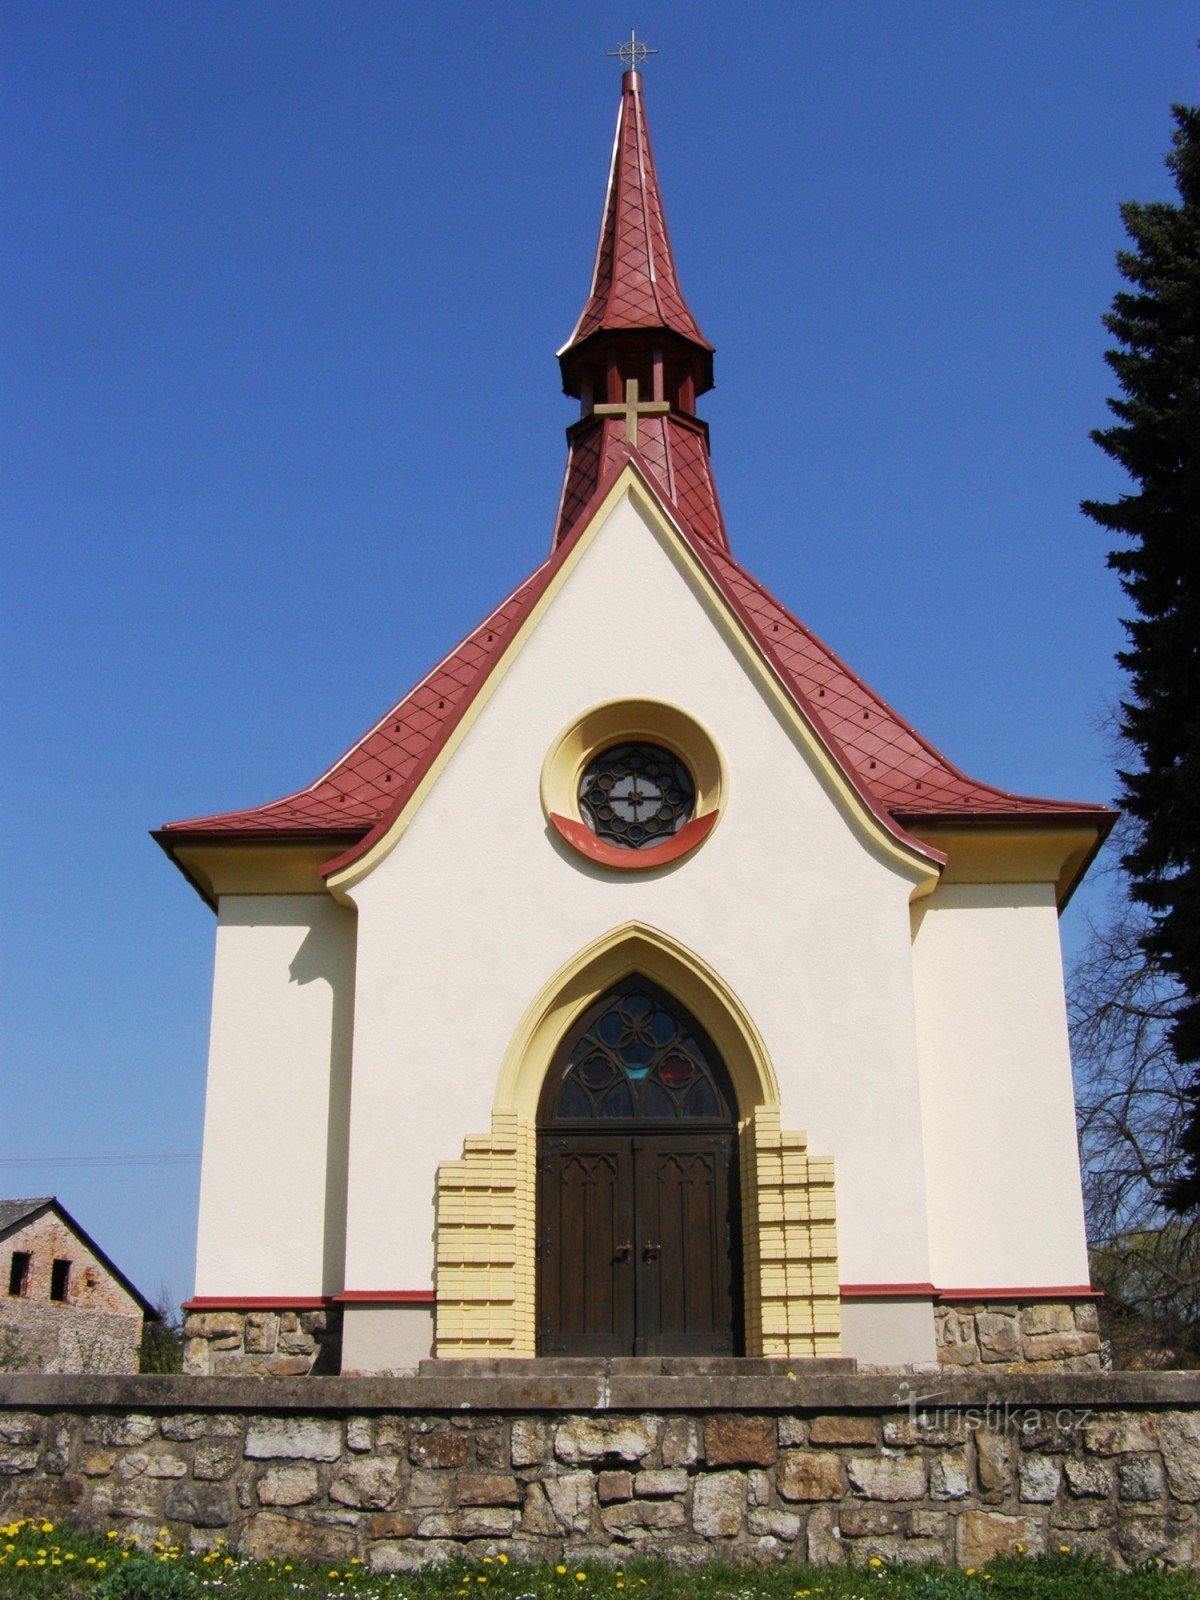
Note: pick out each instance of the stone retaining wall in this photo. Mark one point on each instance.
(757, 1469)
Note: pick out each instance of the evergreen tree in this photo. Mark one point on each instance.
(1156, 323)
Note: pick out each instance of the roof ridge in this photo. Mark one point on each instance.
(420, 684)
(376, 727)
(938, 756)
(831, 653)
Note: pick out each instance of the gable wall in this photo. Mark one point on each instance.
(90, 1287)
(479, 904)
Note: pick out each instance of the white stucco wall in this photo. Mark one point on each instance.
(272, 1184)
(1005, 1204)
(479, 904)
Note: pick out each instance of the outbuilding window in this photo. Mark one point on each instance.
(18, 1273)
(60, 1277)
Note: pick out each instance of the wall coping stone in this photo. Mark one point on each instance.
(656, 1392)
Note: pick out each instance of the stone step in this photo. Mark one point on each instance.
(639, 1367)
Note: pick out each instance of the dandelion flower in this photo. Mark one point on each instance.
(1065, 1549)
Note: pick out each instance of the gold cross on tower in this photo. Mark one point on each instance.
(631, 408)
(632, 52)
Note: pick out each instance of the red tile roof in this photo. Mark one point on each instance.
(634, 282)
(900, 775)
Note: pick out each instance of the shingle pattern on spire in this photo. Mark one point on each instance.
(883, 755)
(634, 282)
(674, 450)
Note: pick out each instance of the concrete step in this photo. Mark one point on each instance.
(640, 1367)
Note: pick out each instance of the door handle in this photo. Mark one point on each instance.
(622, 1252)
(651, 1252)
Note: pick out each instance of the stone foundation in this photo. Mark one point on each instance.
(1042, 1335)
(264, 1344)
(757, 1468)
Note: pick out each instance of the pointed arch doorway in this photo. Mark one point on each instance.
(637, 1190)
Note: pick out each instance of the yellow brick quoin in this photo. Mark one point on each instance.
(486, 1264)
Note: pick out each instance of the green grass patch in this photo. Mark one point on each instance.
(54, 1561)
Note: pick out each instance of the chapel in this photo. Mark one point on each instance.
(641, 984)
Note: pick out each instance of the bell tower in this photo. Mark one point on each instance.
(636, 360)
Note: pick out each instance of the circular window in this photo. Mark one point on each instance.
(633, 785)
(636, 795)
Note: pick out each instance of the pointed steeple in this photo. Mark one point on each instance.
(634, 282)
(637, 359)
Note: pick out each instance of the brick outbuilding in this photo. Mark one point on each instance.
(68, 1308)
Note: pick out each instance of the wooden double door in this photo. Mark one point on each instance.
(638, 1234)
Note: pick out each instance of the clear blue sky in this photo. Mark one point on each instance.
(281, 291)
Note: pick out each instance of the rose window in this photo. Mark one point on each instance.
(636, 795)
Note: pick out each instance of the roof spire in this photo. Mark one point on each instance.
(635, 288)
(637, 359)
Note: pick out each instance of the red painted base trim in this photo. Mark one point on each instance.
(1073, 1291)
(887, 1291)
(386, 1297)
(257, 1302)
(926, 1291)
(581, 838)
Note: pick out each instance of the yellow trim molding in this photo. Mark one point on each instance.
(487, 1200)
(633, 947)
(1035, 852)
(253, 867)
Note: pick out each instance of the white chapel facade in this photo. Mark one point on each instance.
(641, 983)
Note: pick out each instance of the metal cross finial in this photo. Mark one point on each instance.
(632, 52)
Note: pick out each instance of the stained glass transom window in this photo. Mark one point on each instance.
(640, 1058)
(636, 795)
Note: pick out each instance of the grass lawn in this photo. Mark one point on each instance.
(54, 1561)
